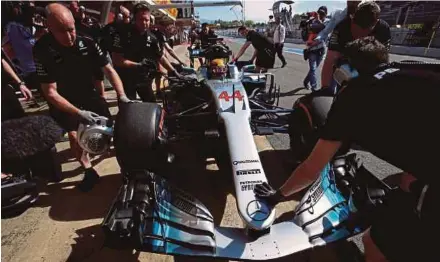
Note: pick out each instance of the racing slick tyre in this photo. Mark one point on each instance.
(138, 136)
(304, 122)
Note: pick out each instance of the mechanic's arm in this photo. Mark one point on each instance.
(99, 86)
(114, 79)
(54, 98)
(121, 61)
(172, 53)
(327, 69)
(308, 171)
(337, 17)
(242, 50)
(254, 55)
(166, 63)
(10, 71)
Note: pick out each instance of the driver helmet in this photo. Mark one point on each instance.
(218, 68)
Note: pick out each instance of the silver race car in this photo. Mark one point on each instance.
(219, 103)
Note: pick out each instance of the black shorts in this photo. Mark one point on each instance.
(265, 59)
(92, 102)
(401, 235)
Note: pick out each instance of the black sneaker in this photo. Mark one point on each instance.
(284, 64)
(90, 179)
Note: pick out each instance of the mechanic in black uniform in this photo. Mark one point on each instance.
(264, 49)
(389, 112)
(164, 45)
(89, 27)
(65, 66)
(365, 22)
(206, 35)
(121, 22)
(136, 53)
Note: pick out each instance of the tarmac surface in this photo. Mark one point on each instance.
(64, 224)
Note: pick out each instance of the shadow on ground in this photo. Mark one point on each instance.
(89, 246)
(293, 92)
(67, 203)
(66, 156)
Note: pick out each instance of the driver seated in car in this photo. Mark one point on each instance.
(217, 69)
(389, 112)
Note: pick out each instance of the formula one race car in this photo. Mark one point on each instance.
(152, 215)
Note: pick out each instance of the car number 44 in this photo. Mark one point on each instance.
(225, 96)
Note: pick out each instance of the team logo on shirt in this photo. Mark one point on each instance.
(82, 48)
(98, 49)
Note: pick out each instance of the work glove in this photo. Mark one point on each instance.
(125, 100)
(266, 192)
(146, 63)
(88, 117)
(176, 74)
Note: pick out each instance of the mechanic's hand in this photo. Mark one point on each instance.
(146, 63)
(125, 100)
(26, 92)
(88, 117)
(265, 191)
(178, 75)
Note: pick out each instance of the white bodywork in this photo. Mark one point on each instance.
(234, 112)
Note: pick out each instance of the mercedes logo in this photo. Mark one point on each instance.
(258, 210)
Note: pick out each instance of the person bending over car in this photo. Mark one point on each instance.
(365, 22)
(389, 112)
(136, 53)
(65, 66)
(164, 45)
(264, 49)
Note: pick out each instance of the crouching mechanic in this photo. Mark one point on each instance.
(388, 112)
(65, 66)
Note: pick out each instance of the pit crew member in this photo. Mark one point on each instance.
(264, 49)
(365, 22)
(136, 53)
(65, 64)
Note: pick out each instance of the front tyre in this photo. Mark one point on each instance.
(138, 135)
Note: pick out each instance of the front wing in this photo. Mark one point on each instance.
(154, 216)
